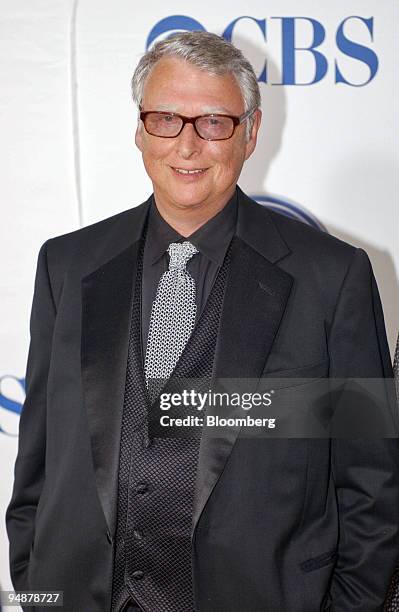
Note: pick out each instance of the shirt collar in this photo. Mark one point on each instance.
(211, 239)
(159, 234)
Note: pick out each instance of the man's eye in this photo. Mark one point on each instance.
(167, 118)
(214, 121)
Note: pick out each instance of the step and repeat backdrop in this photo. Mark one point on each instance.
(327, 151)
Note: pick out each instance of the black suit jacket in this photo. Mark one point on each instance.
(295, 525)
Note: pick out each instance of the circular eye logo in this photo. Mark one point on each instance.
(293, 211)
(170, 25)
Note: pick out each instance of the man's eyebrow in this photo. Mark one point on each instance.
(165, 107)
(219, 110)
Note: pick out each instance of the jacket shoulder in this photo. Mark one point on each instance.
(300, 235)
(122, 227)
(81, 251)
(93, 232)
(303, 241)
(308, 254)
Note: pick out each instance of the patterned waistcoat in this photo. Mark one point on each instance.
(157, 474)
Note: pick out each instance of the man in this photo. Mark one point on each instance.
(202, 283)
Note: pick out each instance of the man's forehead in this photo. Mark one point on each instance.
(178, 86)
(176, 71)
(205, 109)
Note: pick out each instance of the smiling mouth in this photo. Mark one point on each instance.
(186, 172)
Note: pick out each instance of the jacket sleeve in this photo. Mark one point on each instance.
(29, 471)
(365, 471)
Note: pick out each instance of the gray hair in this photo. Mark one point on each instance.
(208, 52)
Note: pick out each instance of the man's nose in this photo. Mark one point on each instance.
(188, 142)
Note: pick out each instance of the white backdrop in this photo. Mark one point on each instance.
(67, 125)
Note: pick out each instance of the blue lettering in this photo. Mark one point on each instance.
(357, 51)
(228, 33)
(289, 50)
(9, 404)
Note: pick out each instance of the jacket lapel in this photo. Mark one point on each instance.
(107, 296)
(255, 299)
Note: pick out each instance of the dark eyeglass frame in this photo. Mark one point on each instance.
(237, 120)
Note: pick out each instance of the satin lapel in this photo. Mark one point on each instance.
(107, 296)
(255, 299)
(254, 304)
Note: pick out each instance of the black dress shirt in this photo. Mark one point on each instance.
(212, 241)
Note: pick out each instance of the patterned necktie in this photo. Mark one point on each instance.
(172, 316)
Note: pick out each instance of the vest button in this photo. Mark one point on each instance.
(138, 575)
(141, 487)
(137, 534)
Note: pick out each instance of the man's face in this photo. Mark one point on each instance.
(175, 85)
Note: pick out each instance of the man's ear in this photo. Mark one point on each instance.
(251, 143)
(138, 138)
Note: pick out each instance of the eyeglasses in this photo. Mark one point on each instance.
(208, 127)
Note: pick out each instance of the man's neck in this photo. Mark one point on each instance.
(187, 219)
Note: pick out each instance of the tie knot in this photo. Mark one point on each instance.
(180, 253)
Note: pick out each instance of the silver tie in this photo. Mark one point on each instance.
(172, 314)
